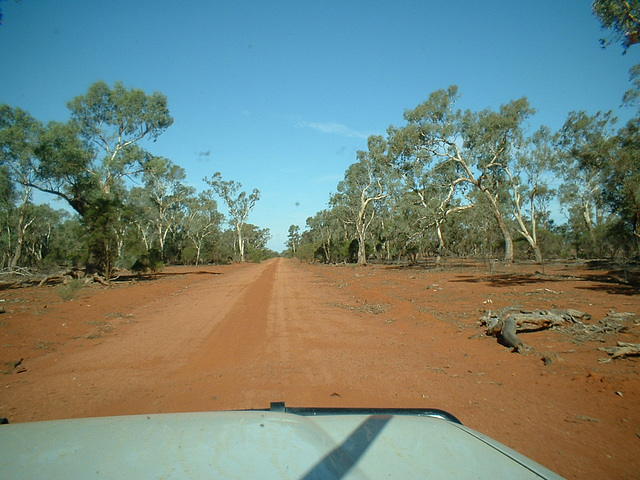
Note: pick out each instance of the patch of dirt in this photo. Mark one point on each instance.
(242, 336)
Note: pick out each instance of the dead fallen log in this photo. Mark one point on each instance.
(58, 277)
(51, 279)
(75, 274)
(62, 276)
(623, 349)
(100, 280)
(505, 324)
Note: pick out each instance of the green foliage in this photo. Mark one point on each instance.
(620, 239)
(86, 160)
(365, 185)
(238, 204)
(150, 261)
(189, 255)
(69, 290)
(155, 260)
(621, 18)
(257, 256)
(446, 155)
(99, 221)
(447, 182)
(140, 266)
(163, 200)
(621, 181)
(293, 239)
(256, 243)
(68, 245)
(117, 116)
(459, 169)
(306, 252)
(201, 224)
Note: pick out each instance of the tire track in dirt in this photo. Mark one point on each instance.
(296, 316)
(242, 329)
(231, 328)
(129, 370)
(263, 350)
(286, 338)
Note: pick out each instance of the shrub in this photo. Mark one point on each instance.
(69, 290)
(141, 265)
(152, 260)
(189, 255)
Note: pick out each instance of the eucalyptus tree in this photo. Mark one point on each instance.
(477, 146)
(293, 239)
(87, 160)
(19, 134)
(364, 184)
(99, 148)
(621, 178)
(529, 178)
(7, 206)
(435, 184)
(621, 182)
(621, 18)
(39, 237)
(67, 244)
(386, 223)
(256, 239)
(585, 144)
(28, 227)
(322, 231)
(403, 230)
(202, 220)
(491, 141)
(239, 205)
(166, 195)
(469, 234)
(142, 220)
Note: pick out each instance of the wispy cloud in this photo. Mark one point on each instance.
(334, 128)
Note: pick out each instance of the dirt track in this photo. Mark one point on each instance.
(241, 336)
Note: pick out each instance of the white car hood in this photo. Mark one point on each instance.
(257, 445)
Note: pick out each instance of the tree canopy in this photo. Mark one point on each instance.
(96, 163)
(238, 203)
(621, 18)
(480, 183)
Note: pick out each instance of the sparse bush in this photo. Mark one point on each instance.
(69, 290)
(189, 255)
(152, 260)
(306, 252)
(141, 265)
(155, 260)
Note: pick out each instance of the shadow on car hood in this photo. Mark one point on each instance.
(309, 444)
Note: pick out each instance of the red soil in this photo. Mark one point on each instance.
(242, 336)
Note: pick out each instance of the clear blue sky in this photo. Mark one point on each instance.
(279, 95)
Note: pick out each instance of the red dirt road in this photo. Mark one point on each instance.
(241, 336)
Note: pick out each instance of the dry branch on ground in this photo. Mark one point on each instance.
(623, 349)
(612, 324)
(505, 323)
(15, 280)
